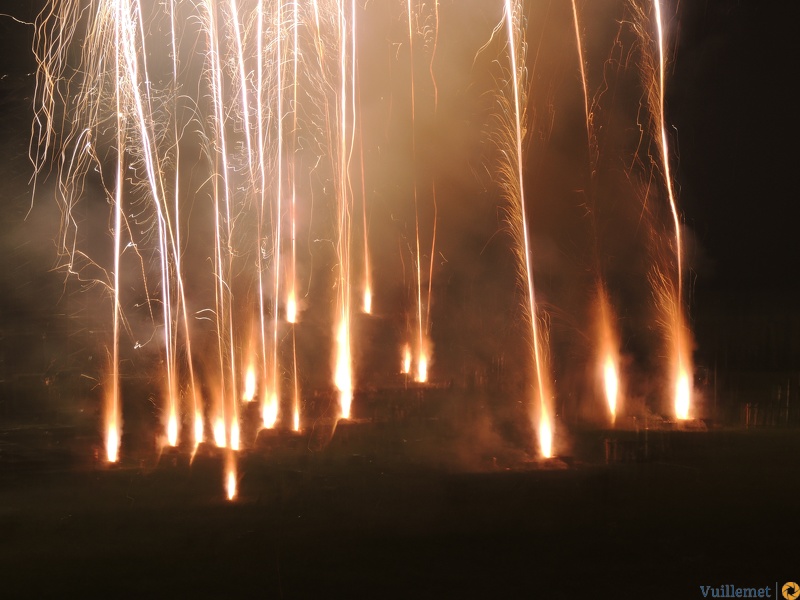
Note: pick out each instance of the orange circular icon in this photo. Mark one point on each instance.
(790, 590)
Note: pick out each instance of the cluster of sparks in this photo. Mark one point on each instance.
(263, 96)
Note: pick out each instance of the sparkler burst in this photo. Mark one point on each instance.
(236, 147)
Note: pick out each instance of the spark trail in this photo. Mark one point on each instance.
(668, 291)
(512, 173)
(607, 341)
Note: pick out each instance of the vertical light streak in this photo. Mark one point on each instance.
(427, 349)
(366, 305)
(271, 407)
(242, 82)
(143, 112)
(512, 17)
(262, 202)
(196, 410)
(113, 409)
(681, 358)
(608, 345)
(224, 311)
(296, 408)
(291, 304)
(422, 370)
(343, 377)
(230, 476)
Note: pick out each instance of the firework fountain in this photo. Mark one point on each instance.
(222, 134)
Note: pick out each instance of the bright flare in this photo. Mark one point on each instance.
(368, 301)
(235, 443)
(269, 413)
(112, 443)
(343, 377)
(291, 308)
(249, 384)
(545, 436)
(611, 380)
(422, 368)
(219, 433)
(230, 480)
(172, 429)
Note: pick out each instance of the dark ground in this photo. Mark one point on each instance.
(366, 518)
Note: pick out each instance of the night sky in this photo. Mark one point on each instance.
(731, 112)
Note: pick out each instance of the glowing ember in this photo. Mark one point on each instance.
(112, 444)
(219, 433)
(611, 380)
(249, 384)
